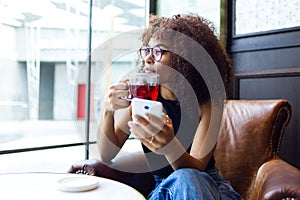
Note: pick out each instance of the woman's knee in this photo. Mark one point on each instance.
(189, 174)
(188, 183)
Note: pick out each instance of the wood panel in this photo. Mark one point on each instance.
(272, 59)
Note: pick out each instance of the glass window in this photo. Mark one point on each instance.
(50, 160)
(257, 16)
(208, 9)
(44, 47)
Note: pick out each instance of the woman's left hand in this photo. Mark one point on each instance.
(153, 132)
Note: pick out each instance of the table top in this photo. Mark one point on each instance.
(46, 186)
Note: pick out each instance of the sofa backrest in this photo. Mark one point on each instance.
(251, 135)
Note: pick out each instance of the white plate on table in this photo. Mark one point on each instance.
(77, 183)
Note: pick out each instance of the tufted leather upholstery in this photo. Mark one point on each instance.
(250, 136)
(249, 142)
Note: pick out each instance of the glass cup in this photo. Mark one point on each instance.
(143, 86)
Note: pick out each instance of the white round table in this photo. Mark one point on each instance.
(44, 186)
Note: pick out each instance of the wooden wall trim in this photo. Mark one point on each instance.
(289, 72)
(274, 31)
(265, 42)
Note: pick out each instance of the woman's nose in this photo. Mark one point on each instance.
(149, 59)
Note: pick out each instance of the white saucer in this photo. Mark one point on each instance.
(77, 183)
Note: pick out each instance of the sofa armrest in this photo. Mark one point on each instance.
(276, 180)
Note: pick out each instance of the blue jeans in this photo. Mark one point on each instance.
(193, 184)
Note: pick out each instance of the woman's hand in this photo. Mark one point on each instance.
(153, 132)
(113, 99)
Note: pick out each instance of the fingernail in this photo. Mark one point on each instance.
(135, 119)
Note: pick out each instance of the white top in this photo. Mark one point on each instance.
(36, 186)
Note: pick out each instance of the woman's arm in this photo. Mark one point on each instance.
(186, 160)
(113, 129)
(196, 158)
(112, 134)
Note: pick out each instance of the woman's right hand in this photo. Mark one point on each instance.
(113, 100)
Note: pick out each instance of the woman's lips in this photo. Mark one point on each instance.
(148, 70)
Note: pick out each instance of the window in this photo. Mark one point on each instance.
(204, 8)
(44, 55)
(260, 16)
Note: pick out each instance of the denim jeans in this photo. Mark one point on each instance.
(193, 184)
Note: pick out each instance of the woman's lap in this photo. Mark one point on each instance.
(193, 184)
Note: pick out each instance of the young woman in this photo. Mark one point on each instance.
(179, 147)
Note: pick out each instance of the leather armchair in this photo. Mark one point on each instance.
(246, 154)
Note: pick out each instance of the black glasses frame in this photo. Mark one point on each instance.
(149, 50)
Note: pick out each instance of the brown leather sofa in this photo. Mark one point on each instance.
(246, 153)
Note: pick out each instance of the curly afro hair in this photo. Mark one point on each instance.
(202, 31)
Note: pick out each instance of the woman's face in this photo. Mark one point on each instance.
(163, 66)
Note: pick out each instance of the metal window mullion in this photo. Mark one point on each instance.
(88, 83)
(23, 150)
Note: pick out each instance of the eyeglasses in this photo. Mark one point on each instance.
(156, 52)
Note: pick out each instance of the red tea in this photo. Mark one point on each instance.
(144, 91)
